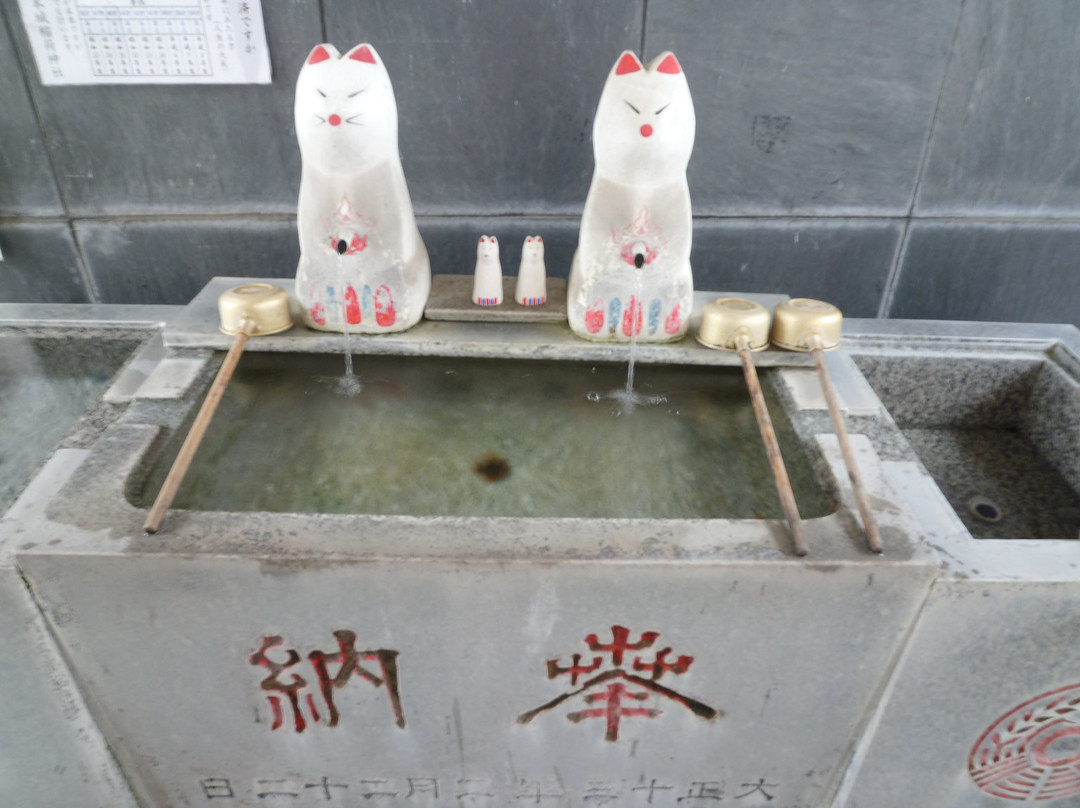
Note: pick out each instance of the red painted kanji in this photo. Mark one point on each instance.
(620, 643)
(349, 661)
(272, 684)
(658, 667)
(613, 709)
(575, 670)
(616, 688)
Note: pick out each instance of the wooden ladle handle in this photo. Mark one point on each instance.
(195, 435)
(873, 537)
(772, 447)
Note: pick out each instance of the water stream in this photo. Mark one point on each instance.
(626, 397)
(348, 385)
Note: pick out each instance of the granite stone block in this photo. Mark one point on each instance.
(1004, 140)
(170, 260)
(996, 434)
(845, 262)
(998, 484)
(807, 106)
(980, 650)
(27, 186)
(495, 99)
(51, 750)
(939, 391)
(1050, 421)
(1001, 271)
(180, 148)
(41, 264)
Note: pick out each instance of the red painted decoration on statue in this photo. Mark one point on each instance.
(320, 54)
(385, 314)
(670, 65)
(627, 64)
(363, 54)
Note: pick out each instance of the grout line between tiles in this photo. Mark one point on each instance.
(892, 280)
(82, 265)
(644, 26)
(925, 159)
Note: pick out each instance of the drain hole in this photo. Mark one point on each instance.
(984, 509)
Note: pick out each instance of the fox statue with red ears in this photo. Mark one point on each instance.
(630, 277)
(363, 266)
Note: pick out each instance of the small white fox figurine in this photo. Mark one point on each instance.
(487, 279)
(531, 287)
(631, 277)
(363, 266)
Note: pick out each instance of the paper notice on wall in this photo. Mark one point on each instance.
(147, 41)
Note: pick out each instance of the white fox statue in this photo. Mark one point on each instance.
(631, 277)
(363, 266)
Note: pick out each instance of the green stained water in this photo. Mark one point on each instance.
(431, 436)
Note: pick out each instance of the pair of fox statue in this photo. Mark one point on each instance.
(364, 268)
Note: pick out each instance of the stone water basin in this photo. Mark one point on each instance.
(59, 384)
(983, 708)
(477, 656)
(49, 376)
(1002, 444)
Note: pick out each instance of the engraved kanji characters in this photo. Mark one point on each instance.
(758, 788)
(349, 662)
(618, 692)
(485, 792)
(613, 710)
(651, 788)
(217, 788)
(702, 792)
(273, 684)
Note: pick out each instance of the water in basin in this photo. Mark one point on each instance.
(48, 378)
(470, 437)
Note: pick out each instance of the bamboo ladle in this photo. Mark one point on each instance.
(254, 309)
(813, 326)
(736, 324)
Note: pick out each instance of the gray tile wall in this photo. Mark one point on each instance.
(914, 159)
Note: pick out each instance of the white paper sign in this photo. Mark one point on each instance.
(147, 41)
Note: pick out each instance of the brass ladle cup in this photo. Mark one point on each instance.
(735, 324)
(254, 309)
(813, 326)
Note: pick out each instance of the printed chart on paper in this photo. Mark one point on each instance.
(147, 41)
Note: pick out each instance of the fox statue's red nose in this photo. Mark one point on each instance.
(335, 119)
(646, 130)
